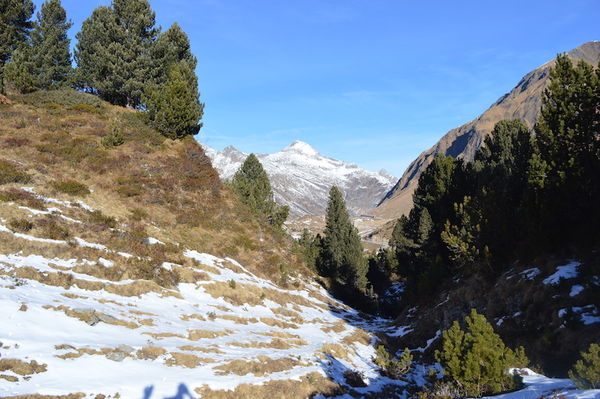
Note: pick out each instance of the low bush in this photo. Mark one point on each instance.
(9, 173)
(71, 187)
(97, 217)
(476, 361)
(138, 214)
(22, 225)
(586, 372)
(22, 196)
(52, 230)
(113, 139)
(393, 368)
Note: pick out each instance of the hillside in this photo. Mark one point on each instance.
(522, 102)
(137, 263)
(301, 178)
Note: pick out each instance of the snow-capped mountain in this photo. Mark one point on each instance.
(301, 178)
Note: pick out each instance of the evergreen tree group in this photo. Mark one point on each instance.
(121, 56)
(516, 198)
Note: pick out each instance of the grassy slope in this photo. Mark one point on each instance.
(56, 136)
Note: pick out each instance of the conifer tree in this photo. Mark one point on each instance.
(174, 107)
(251, 184)
(113, 51)
(15, 26)
(476, 360)
(172, 46)
(342, 254)
(46, 63)
(586, 371)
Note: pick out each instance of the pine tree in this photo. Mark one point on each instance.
(567, 134)
(172, 46)
(342, 255)
(46, 63)
(174, 107)
(586, 372)
(476, 360)
(113, 51)
(15, 26)
(251, 184)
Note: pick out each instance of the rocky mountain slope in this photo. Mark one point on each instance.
(522, 102)
(301, 178)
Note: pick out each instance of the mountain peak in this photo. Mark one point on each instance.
(301, 147)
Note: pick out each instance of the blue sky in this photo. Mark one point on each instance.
(367, 81)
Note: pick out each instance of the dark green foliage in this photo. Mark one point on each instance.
(174, 107)
(171, 47)
(71, 187)
(9, 173)
(586, 372)
(310, 247)
(342, 253)
(252, 186)
(113, 51)
(515, 200)
(46, 62)
(393, 368)
(476, 360)
(15, 26)
(462, 239)
(114, 138)
(567, 135)
(22, 225)
(97, 217)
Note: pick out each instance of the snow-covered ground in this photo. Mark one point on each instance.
(537, 387)
(67, 330)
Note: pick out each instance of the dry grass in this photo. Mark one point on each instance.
(150, 352)
(275, 343)
(195, 335)
(335, 350)
(203, 349)
(307, 387)
(337, 327)
(277, 323)
(22, 368)
(239, 320)
(186, 360)
(358, 335)
(262, 366)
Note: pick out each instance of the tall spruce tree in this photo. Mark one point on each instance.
(567, 134)
(15, 26)
(251, 184)
(113, 51)
(46, 63)
(174, 107)
(342, 253)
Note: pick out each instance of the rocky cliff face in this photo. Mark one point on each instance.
(301, 178)
(522, 102)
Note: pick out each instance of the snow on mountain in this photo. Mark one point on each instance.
(301, 178)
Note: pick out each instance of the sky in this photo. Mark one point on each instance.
(374, 82)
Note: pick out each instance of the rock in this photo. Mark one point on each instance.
(116, 356)
(125, 348)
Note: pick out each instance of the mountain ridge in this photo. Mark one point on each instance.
(522, 102)
(301, 177)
